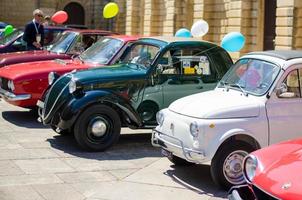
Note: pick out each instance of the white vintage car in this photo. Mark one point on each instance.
(257, 103)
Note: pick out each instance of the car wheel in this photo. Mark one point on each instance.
(97, 128)
(226, 166)
(147, 112)
(179, 161)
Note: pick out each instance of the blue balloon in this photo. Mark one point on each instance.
(183, 32)
(233, 41)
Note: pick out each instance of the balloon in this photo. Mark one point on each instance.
(8, 30)
(200, 28)
(183, 32)
(60, 17)
(110, 10)
(233, 41)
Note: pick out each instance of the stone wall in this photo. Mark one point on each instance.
(165, 17)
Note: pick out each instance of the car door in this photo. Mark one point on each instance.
(284, 110)
(187, 71)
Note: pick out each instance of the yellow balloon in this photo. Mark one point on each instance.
(110, 10)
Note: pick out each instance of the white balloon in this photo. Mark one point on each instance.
(200, 28)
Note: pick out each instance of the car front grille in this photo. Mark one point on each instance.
(260, 194)
(3, 83)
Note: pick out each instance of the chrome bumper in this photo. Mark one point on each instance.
(190, 155)
(12, 97)
(241, 192)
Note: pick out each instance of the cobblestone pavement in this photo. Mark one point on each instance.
(37, 164)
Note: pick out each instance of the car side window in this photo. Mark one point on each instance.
(291, 85)
(186, 66)
(81, 44)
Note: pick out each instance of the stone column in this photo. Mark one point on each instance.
(132, 17)
(284, 24)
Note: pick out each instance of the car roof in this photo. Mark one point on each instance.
(125, 37)
(166, 40)
(91, 31)
(281, 54)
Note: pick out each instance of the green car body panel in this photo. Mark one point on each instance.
(136, 92)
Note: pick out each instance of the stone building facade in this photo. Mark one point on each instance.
(266, 24)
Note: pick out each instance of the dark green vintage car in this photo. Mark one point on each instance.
(96, 103)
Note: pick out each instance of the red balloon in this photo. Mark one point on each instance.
(59, 17)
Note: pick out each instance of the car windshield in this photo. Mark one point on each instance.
(141, 54)
(9, 38)
(63, 43)
(102, 51)
(251, 76)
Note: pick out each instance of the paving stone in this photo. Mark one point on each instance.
(9, 154)
(122, 173)
(19, 192)
(58, 191)
(81, 177)
(127, 190)
(29, 179)
(43, 166)
(7, 167)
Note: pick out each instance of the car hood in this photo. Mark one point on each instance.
(118, 72)
(216, 104)
(28, 56)
(35, 69)
(286, 159)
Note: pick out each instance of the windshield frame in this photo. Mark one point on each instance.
(19, 32)
(75, 34)
(123, 43)
(223, 84)
(138, 42)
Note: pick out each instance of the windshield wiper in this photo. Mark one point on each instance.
(240, 87)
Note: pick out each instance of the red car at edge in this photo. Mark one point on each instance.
(69, 43)
(23, 84)
(272, 173)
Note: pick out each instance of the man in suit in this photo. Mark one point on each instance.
(34, 32)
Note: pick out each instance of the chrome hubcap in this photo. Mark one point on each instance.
(98, 128)
(232, 167)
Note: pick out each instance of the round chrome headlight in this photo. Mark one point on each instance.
(51, 78)
(250, 167)
(10, 85)
(160, 118)
(194, 129)
(72, 86)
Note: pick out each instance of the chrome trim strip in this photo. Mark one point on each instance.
(186, 151)
(13, 97)
(53, 105)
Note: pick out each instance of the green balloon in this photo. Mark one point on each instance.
(8, 30)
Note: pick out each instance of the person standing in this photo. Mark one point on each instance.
(34, 31)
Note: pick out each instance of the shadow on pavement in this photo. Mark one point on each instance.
(129, 146)
(196, 178)
(26, 119)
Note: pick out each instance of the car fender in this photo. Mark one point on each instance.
(236, 133)
(78, 104)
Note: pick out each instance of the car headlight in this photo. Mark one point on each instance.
(10, 85)
(51, 78)
(72, 86)
(250, 166)
(160, 118)
(194, 129)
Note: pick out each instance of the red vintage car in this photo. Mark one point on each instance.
(71, 42)
(23, 84)
(272, 173)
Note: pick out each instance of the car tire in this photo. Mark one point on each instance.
(97, 128)
(179, 161)
(147, 111)
(226, 166)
